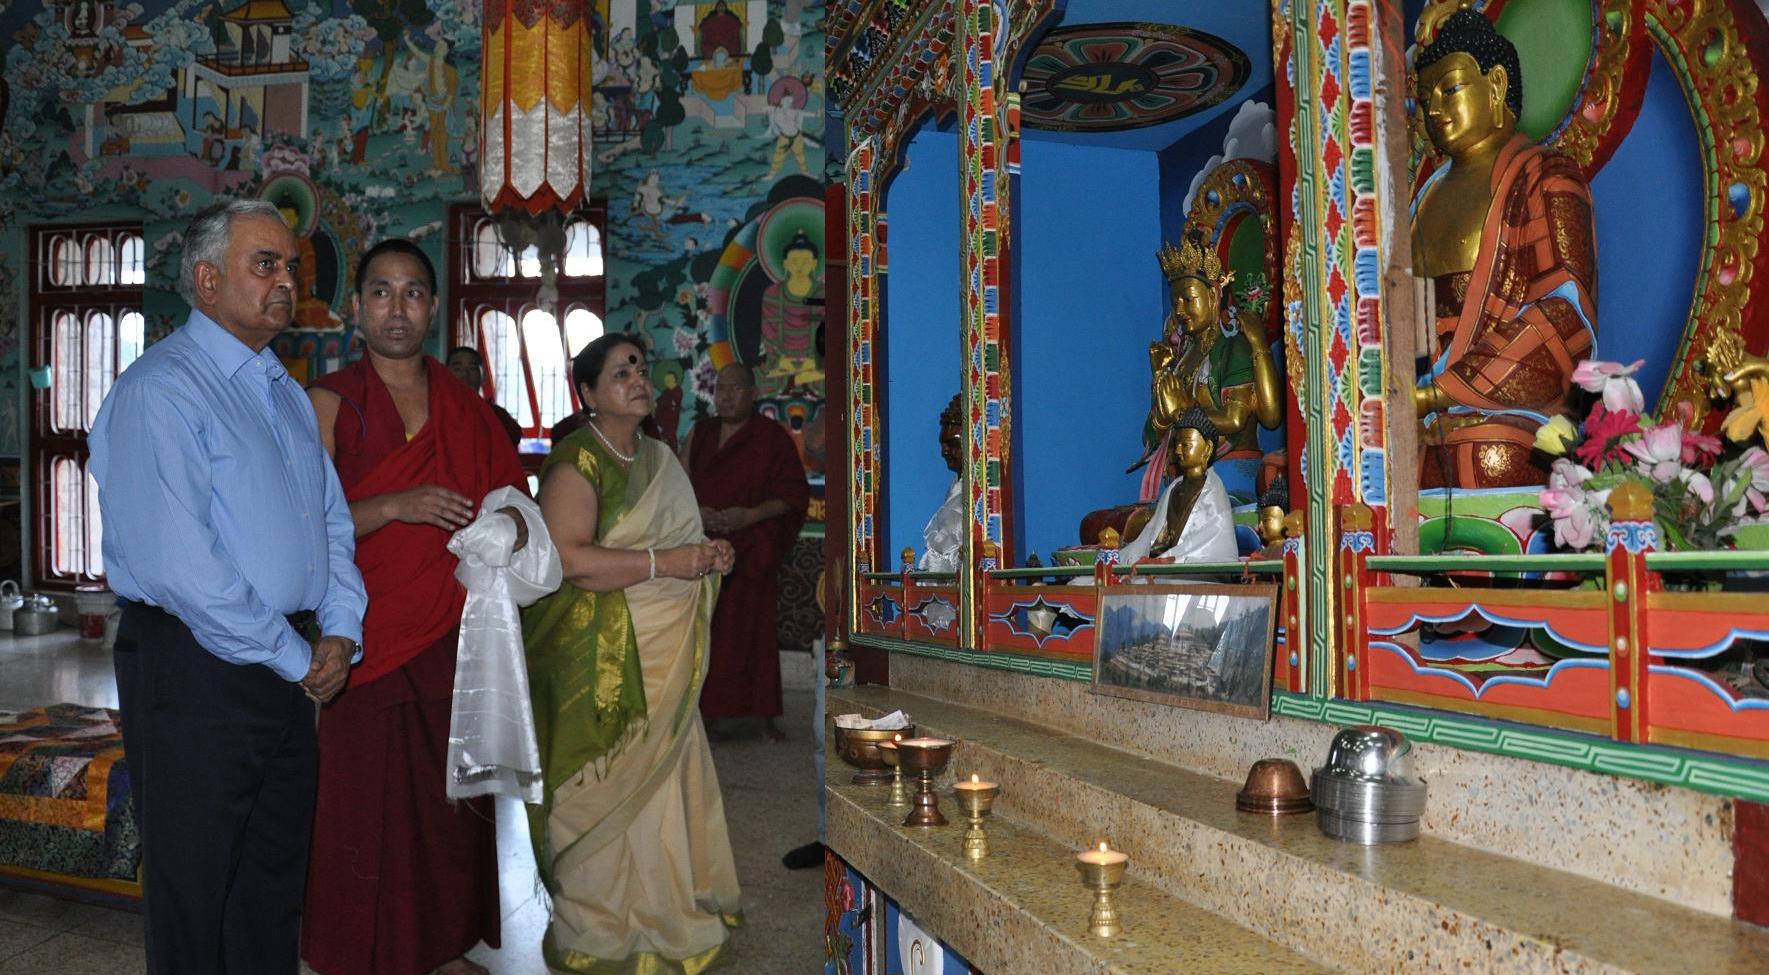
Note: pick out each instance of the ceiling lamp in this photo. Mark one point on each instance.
(535, 102)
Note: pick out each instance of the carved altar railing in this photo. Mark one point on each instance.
(1050, 614)
(1598, 644)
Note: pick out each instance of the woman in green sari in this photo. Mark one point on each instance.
(630, 839)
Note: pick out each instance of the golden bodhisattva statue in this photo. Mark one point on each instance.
(1503, 231)
(1219, 372)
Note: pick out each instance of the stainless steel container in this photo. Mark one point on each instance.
(37, 616)
(1366, 793)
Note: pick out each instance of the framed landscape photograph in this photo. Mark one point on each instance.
(1193, 645)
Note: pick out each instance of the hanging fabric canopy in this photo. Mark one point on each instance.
(535, 100)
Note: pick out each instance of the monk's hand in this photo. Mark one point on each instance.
(521, 527)
(712, 519)
(736, 519)
(329, 668)
(430, 504)
(724, 556)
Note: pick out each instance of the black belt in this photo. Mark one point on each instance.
(302, 621)
(306, 623)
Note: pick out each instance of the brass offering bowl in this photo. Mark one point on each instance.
(976, 800)
(899, 799)
(924, 758)
(859, 748)
(1275, 787)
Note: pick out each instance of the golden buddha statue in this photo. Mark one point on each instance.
(1221, 374)
(1503, 231)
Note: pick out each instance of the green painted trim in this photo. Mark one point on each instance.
(1685, 561)
(1305, 130)
(1055, 571)
(1572, 562)
(812, 530)
(1035, 666)
(1703, 772)
(1263, 567)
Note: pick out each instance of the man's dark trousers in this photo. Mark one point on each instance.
(222, 767)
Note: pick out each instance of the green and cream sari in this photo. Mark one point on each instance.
(631, 839)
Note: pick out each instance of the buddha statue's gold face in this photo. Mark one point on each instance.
(1195, 305)
(1191, 451)
(1463, 108)
(1271, 523)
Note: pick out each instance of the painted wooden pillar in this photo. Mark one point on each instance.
(1632, 534)
(865, 286)
(1357, 542)
(1292, 666)
(1336, 259)
(983, 206)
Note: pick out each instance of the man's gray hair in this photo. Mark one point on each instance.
(208, 235)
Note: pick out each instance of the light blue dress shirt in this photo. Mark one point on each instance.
(220, 505)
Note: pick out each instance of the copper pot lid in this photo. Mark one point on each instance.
(1275, 787)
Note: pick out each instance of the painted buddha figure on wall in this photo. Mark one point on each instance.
(1213, 382)
(1503, 231)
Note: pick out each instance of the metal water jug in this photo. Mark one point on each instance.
(10, 600)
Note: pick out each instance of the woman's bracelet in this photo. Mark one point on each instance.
(651, 554)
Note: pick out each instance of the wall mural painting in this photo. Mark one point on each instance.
(358, 118)
(708, 121)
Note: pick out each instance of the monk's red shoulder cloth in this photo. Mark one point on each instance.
(414, 599)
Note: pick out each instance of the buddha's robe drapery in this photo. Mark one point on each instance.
(1514, 327)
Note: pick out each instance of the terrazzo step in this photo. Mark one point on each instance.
(1426, 905)
(1022, 909)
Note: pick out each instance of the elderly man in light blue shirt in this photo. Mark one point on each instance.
(226, 532)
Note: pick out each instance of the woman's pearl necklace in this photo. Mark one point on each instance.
(623, 458)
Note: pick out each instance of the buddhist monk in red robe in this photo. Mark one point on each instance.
(752, 491)
(402, 880)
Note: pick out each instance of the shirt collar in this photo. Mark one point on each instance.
(226, 350)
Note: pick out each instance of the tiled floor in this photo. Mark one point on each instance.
(770, 802)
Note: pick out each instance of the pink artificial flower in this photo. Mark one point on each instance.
(1565, 474)
(1698, 448)
(1698, 484)
(1602, 428)
(1577, 515)
(1755, 463)
(1658, 452)
(1614, 381)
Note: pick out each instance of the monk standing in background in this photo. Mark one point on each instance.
(752, 491)
(402, 879)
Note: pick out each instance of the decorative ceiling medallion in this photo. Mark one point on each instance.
(1110, 77)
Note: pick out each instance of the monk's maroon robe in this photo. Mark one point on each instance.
(759, 462)
(401, 878)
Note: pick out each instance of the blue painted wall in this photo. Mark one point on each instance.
(921, 334)
(1649, 202)
(1091, 301)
